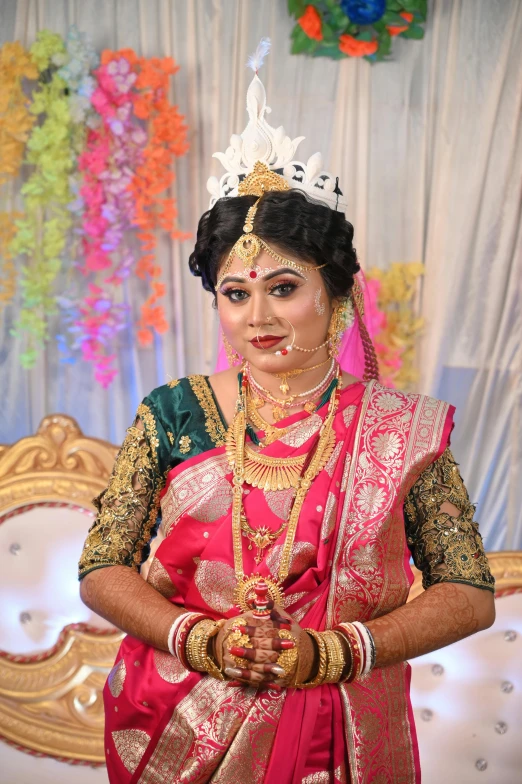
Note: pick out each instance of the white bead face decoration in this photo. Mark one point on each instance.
(506, 687)
(437, 669)
(15, 548)
(501, 727)
(510, 636)
(481, 764)
(426, 714)
(320, 307)
(25, 617)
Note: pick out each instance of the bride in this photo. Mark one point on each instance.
(255, 537)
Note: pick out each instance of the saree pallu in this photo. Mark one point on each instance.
(349, 561)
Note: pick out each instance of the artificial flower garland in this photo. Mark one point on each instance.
(167, 134)
(16, 122)
(354, 28)
(394, 290)
(41, 235)
(114, 150)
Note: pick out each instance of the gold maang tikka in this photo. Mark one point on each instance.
(249, 245)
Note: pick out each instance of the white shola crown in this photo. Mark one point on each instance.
(271, 146)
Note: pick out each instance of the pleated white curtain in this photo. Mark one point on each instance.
(428, 151)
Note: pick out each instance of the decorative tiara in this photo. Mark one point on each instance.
(260, 143)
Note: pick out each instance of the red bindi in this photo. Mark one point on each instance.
(253, 274)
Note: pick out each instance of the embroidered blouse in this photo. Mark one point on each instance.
(183, 419)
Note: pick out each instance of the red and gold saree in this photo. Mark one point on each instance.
(350, 561)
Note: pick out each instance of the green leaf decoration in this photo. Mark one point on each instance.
(335, 23)
(413, 31)
(296, 7)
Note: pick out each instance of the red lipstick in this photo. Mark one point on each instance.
(266, 341)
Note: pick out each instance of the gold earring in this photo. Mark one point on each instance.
(233, 357)
(343, 316)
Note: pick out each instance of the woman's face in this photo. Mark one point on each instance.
(263, 307)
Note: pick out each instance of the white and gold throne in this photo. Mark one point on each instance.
(55, 653)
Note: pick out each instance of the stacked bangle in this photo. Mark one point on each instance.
(197, 647)
(179, 632)
(369, 646)
(335, 657)
(323, 662)
(362, 648)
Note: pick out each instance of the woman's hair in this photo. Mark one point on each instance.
(291, 222)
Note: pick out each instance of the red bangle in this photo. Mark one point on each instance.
(182, 634)
(356, 649)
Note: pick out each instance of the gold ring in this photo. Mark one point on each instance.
(288, 659)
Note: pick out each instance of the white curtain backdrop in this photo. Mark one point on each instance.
(429, 152)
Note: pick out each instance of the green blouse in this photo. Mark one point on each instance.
(182, 419)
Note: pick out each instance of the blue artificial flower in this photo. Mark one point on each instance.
(363, 12)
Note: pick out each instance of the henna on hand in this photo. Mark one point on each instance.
(443, 614)
(121, 596)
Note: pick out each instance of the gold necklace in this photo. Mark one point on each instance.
(271, 433)
(284, 385)
(259, 470)
(294, 400)
(245, 589)
(261, 537)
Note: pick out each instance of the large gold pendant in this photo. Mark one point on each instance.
(245, 595)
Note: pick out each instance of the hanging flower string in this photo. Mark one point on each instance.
(41, 236)
(114, 151)
(394, 291)
(16, 122)
(101, 156)
(354, 28)
(167, 134)
(80, 60)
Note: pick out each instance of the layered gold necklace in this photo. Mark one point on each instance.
(246, 462)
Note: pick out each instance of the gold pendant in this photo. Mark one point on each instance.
(309, 407)
(245, 595)
(278, 413)
(284, 385)
(261, 537)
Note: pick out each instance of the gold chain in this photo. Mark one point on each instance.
(284, 385)
(237, 456)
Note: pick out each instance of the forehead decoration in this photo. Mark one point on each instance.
(249, 245)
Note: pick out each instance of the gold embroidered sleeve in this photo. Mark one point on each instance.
(443, 538)
(128, 508)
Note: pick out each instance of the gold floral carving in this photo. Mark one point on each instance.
(53, 705)
(57, 463)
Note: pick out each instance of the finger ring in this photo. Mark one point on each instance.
(288, 659)
(238, 638)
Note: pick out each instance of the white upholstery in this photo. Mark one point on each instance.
(471, 710)
(39, 591)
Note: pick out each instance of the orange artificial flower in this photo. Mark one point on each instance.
(310, 22)
(353, 47)
(401, 28)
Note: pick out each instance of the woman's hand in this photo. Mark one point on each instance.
(263, 649)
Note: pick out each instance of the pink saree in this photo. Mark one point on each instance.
(350, 561)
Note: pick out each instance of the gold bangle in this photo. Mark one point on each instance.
(349, 673)
(197, 647)
(323, 662)
(335, 655)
